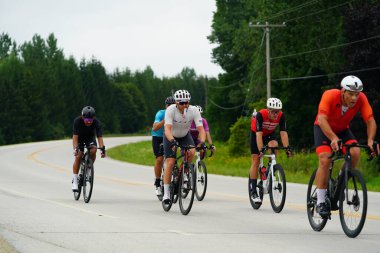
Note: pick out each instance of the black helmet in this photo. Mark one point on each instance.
(88, 112)
(169, 100)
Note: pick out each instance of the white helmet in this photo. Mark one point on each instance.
(352, 83)
(274, 103)
(182, 96)
(199, 108)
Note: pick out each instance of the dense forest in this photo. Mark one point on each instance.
(322, 42)
(42, 90)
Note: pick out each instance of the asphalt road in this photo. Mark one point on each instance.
(38, 213)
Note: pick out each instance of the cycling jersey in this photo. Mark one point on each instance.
(86, 133)
(194, 131)
(181, 122)
(339, 117)
(262, 122)
(160, 115)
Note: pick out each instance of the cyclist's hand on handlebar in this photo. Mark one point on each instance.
(103, 152)
(262, 151)
(212, 147)
(174, 144)
(289, 151)
(75, 151)
(335, 145)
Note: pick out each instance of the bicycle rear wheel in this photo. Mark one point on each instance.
(277, 188)
(80, 182)
(186, 189)
(317, 223)
(88, 180)
(201, 181)
(259, 190)
(353, 210)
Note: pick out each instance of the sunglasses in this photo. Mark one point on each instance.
(275, 111)
(183, 103)
(88, 120)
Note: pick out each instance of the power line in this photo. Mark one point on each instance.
(226, 108)
(326, 48)
(317, 12)
(292, 9)
(330, 74)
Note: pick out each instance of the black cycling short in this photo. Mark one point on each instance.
(320, 139)
(82, 145)
(266, 140)
(184, 141)
(158, 149)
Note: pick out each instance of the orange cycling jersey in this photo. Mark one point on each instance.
(331, 106)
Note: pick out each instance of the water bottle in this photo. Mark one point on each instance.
(264, 179)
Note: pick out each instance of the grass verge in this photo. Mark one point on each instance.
(297, 168)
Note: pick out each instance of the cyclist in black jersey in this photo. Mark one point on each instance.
(85, 128)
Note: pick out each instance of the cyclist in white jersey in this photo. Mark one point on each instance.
(178, 119)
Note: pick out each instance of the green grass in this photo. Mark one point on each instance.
(297, 168)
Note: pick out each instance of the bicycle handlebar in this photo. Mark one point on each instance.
(339, 153)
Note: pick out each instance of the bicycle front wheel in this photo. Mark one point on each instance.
(353, 202)
(317, 223)
(259, 190)
(88, 181)
(80, 182)
(277, 188)
(201, 181)
(167, 207)
(186, 189)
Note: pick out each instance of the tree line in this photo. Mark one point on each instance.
(42, 91)
(323, 41)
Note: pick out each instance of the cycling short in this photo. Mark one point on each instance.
(184, 141)
(158, 149)
(266, 140)
(322, 143)
(84, 144)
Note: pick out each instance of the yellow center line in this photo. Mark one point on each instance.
(299, 207)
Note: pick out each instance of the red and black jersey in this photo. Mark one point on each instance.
(262, 122)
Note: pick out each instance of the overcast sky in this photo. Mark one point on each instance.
(165, 34)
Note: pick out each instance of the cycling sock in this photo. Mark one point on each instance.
(253, 183)
(166, 191)
(321, 195)
(75, 176)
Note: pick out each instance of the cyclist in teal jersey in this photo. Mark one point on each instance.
(157, 139)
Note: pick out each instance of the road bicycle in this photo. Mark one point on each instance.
(272, 181)
(346, 192)
(86, 174)
(201, 173)
(182, 186)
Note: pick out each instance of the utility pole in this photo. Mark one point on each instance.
(267, 32)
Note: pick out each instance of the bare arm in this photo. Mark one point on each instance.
(259, 140)
(284, 138)
(202, 134)
(101, 142)
(371, 131)
(168, 132)
(208, 136)
(158, 125)
(326, 129)
(75, 141)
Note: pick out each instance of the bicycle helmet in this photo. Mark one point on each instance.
(274, 103)
(88, 112)
(182, 96)
(199, 108)
(352, 83)
(169, 100)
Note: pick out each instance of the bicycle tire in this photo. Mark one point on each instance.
(357, 201)
(186, 189)
(80, 182)
(277, 189)
(201, 180)
(259, 189)
(317, 223)
(88, 180)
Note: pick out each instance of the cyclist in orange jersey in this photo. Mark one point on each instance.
(336, 110)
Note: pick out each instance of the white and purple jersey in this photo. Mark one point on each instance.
(181, 122)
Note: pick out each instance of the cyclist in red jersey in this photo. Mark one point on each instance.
(335, 112)
(263, 127)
